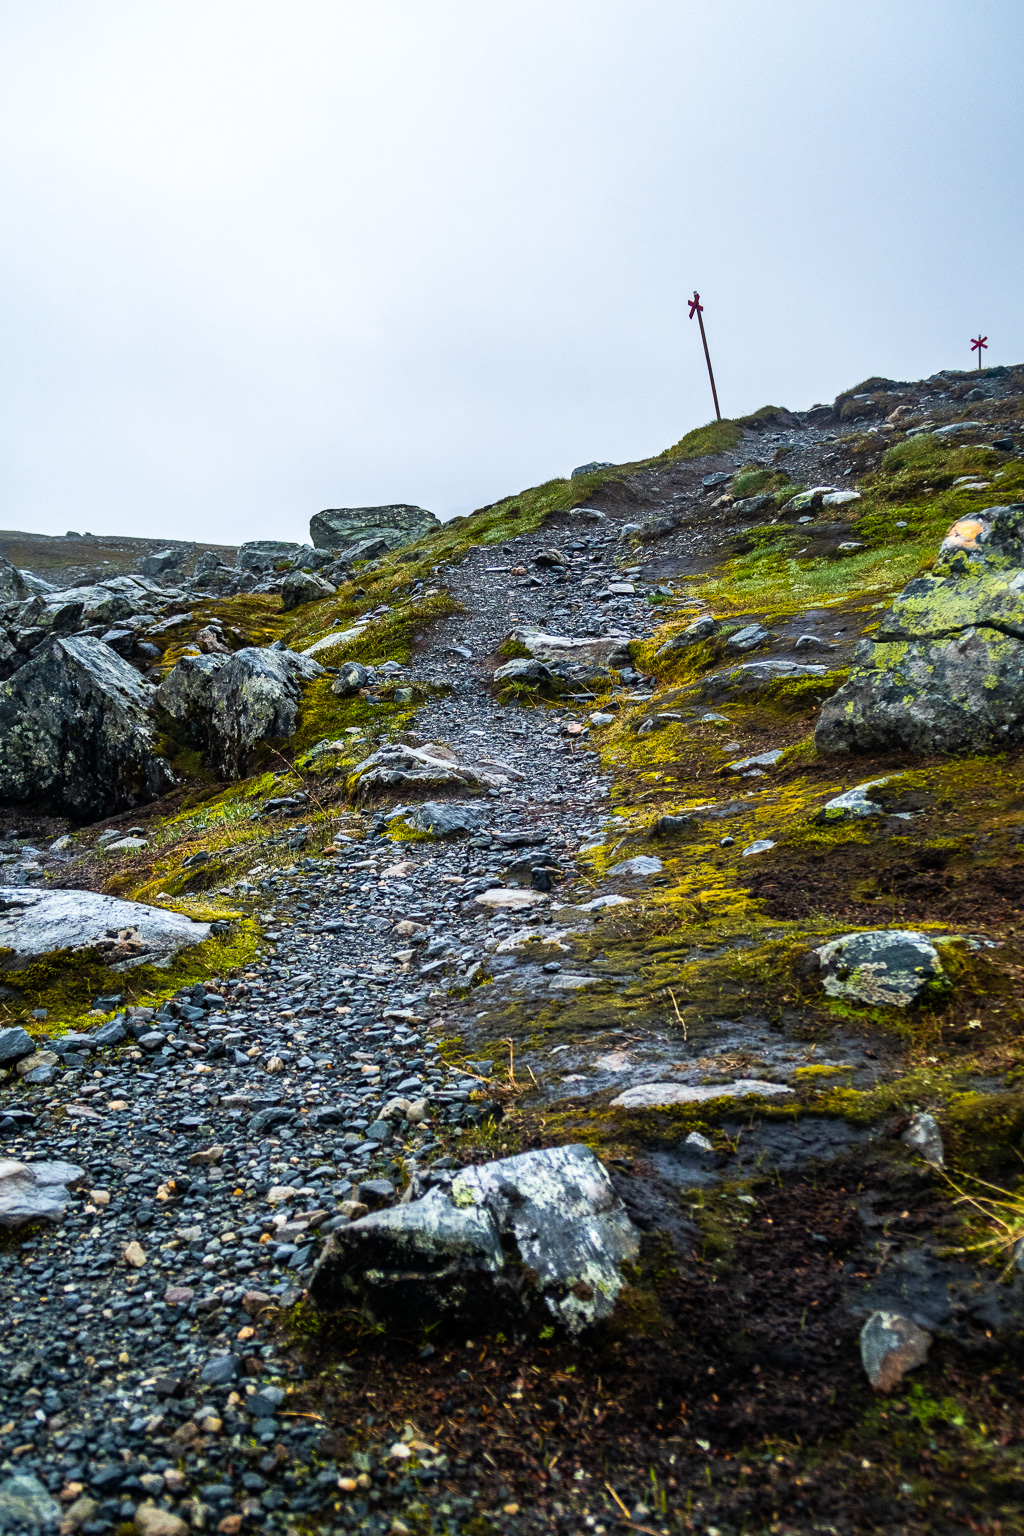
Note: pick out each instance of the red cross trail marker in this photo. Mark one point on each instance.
(978, 344)
(697, 308)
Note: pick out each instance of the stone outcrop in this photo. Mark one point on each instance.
(123, 934)
(76, 732)
(228, 704)
(341, 527)
(944, 671)
(543, 1232)
(430, 767)
(605, 651)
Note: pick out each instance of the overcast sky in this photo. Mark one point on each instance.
(263, 258)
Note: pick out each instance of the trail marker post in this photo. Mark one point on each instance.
(978, 344)
(697, 308)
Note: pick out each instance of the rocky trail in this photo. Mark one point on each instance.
(498, 1023)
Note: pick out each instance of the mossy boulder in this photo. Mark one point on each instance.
(944, 670)
(76, 732)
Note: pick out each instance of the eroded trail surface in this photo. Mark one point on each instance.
(602, 927)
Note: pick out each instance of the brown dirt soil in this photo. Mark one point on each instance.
(699, 1401)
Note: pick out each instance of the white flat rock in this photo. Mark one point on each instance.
(651, 1095)
(509, 897)
(126, 933)
(570, 983)
(332, 641)
(600, 902)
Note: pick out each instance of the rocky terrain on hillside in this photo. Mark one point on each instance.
(515, 1025)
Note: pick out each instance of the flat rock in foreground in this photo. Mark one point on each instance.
(35, 1191)
(542, 1229)
(126, 933)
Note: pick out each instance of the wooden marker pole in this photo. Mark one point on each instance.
(979, 344)
(697, 308)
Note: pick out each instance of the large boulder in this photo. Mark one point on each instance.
(340, 527)
(540, 1233)
(162, 560)
(944, 670)
(228, 704)
(34, 923)
(76, 732)
(301, 587)
(430, 767)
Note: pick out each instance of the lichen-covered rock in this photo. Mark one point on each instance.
(34, 923)
(301, 587)
(606, 651)
(228, 704)
(542, 1232)
(430, 767)
(528, 672)
(888, 967)
(265, 554)
(340, 527)
(352, 676)
(76, 732)
(924, 1136)
(944, 671)
(756, 677)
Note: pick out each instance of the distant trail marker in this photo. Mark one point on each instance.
(697, 308)
(978, 344)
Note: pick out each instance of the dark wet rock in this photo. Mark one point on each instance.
(301, 587)
(544, 1228)
(341, 527)
(888, 967)
(890, 1346)
(76, 732)
(14, 1044)
(528, 672)
(34, 923)
(944, 671)
(923, 1135)
(228, 704)
(444, 818)
(352, 676)
(35, 1191)
(693, 634)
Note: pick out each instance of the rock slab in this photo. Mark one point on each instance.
(543, 1231)
(34, 923)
